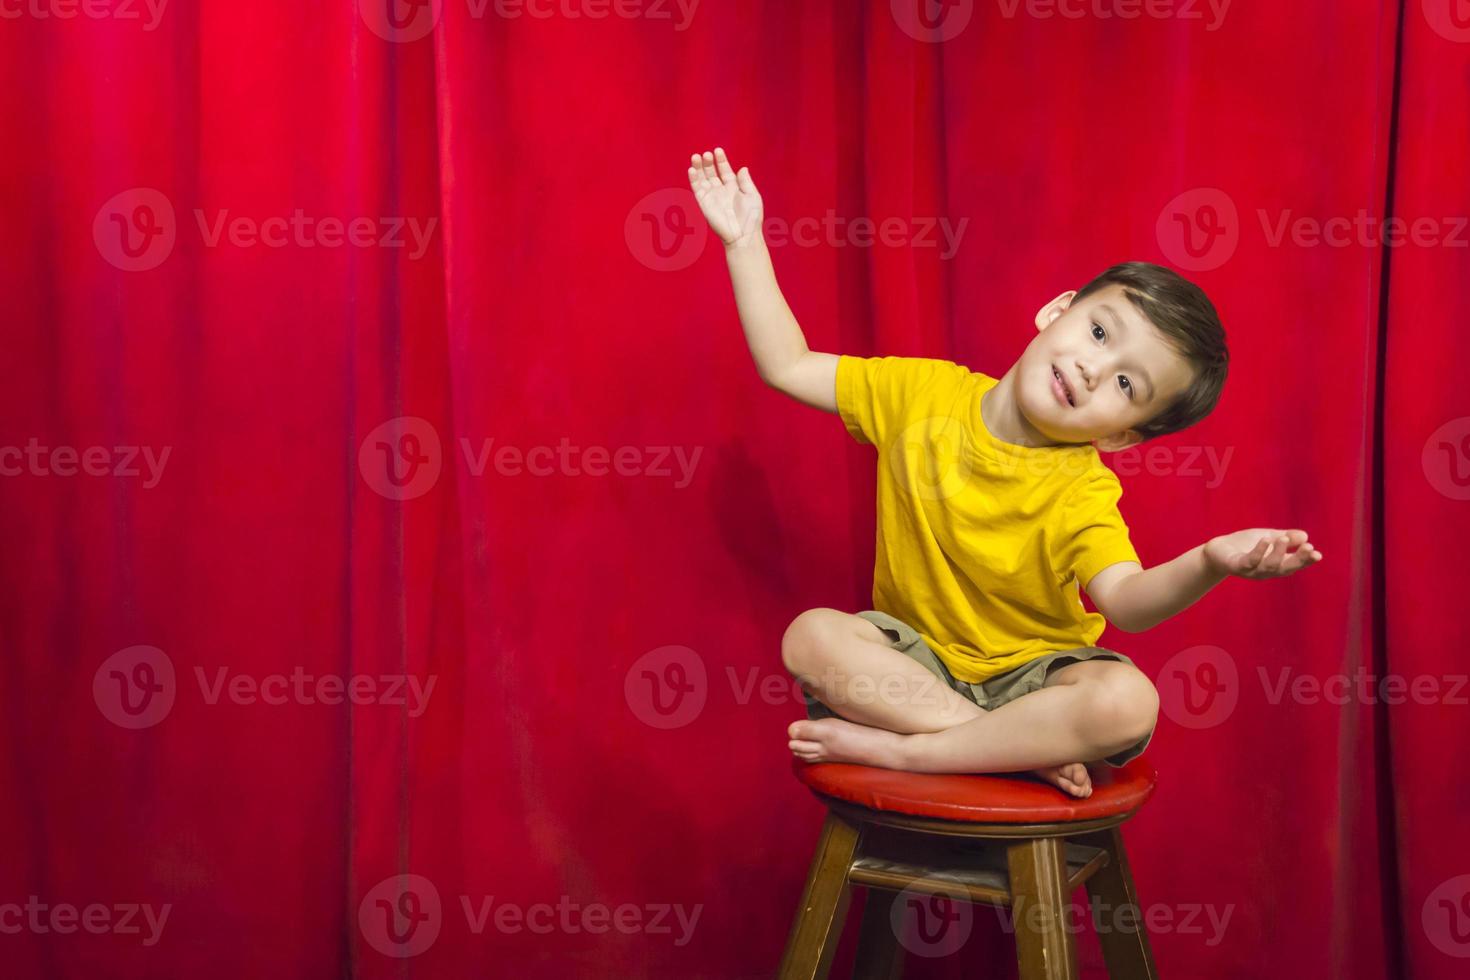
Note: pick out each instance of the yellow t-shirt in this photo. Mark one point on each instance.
(981, 543)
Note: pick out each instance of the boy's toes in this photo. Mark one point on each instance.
(1072, 779)
(1076, 774)
(801, 730)
(806, 751)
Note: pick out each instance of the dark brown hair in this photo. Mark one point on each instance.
(1180, 311)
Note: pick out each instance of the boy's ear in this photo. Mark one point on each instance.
(1118, 441)
(1054, 309)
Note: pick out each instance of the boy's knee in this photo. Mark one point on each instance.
(1125, 705)
(806, 637)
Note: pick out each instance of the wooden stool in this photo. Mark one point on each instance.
(1005, 841)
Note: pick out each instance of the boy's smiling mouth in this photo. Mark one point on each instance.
(1061, 388)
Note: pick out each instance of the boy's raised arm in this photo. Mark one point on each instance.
(732, 206)
(1135, 599)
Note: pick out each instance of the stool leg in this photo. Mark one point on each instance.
(879, 957)
(1124, 937)
(1045, 949)
(813, 940)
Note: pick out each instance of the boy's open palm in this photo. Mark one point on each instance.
(1261, 552)
(729, 201)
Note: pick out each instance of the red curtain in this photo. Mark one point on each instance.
(388, 490)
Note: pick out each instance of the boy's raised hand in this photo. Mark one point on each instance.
(1261, 552)
(730, 202)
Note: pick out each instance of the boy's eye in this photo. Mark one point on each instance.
(1096, 328)
(1127, 385)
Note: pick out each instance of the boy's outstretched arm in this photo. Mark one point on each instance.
(1135, 599)
(733, 207)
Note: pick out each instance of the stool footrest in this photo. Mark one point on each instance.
(975, 871)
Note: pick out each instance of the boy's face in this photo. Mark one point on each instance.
(1118, 367)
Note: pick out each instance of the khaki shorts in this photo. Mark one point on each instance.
(996, 691)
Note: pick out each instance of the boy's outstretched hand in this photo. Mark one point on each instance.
(1261, 552)
(730, 202)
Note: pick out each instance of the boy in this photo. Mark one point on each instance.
(994, 508)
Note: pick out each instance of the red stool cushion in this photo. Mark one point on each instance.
(980, 798)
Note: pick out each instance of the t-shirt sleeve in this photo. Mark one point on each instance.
(877, 396)
(1091, 534)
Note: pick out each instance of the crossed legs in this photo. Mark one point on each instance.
(901, 716)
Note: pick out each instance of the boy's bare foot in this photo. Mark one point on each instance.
(839, 740)
(1071, 778)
